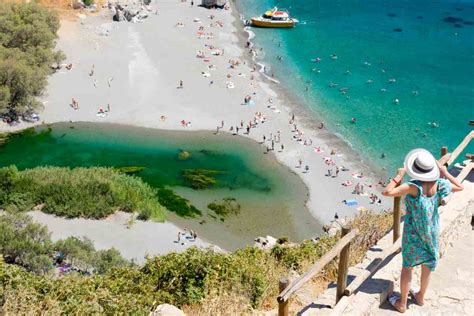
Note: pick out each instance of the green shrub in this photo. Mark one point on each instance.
(79, 192)
(88, 2)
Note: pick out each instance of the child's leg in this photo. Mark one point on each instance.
(405, 282)
(425, 280)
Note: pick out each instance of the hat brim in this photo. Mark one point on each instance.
(433, 175)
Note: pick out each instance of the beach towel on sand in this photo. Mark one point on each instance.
(421, 228)
(351, 202)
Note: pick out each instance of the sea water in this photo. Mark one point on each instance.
(272, 197)
(403, 69)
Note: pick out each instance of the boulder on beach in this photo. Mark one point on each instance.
(76, 5)
(168, 310)
(130, 12)
(265, 242)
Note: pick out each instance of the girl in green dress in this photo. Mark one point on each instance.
(423, 194)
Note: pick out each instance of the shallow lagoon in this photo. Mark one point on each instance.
(272, 197)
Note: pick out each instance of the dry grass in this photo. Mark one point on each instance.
(372, 227)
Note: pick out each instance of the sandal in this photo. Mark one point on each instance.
(413, 292)
(393, 299)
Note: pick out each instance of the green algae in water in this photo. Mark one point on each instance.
(229, 206)
(177, 204)
(200, 179)
(129, 169)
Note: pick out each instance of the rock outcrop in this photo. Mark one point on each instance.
(130, 11)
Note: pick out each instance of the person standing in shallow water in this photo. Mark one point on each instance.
(431, 183)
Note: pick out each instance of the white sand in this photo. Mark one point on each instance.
(147, 61)
(141, 239)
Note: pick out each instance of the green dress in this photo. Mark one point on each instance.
(421, 227)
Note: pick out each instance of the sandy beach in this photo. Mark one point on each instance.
(187, 68)
(134, 242)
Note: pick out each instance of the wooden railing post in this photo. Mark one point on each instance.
(396, 218)
(444, 151)
(283, 307)
(343, 266)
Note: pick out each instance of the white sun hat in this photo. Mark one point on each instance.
(421, 165)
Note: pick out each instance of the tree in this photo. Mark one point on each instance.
(25, 243)
(80, 252)
(27, 40)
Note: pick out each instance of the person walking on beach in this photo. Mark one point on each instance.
(431, 183)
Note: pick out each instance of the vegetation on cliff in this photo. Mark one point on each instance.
(200, 281)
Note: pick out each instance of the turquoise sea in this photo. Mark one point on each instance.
(426, 46)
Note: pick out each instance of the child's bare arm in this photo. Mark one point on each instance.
(456, 185)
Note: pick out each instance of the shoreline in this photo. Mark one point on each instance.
(152, 71)
(303, 113)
